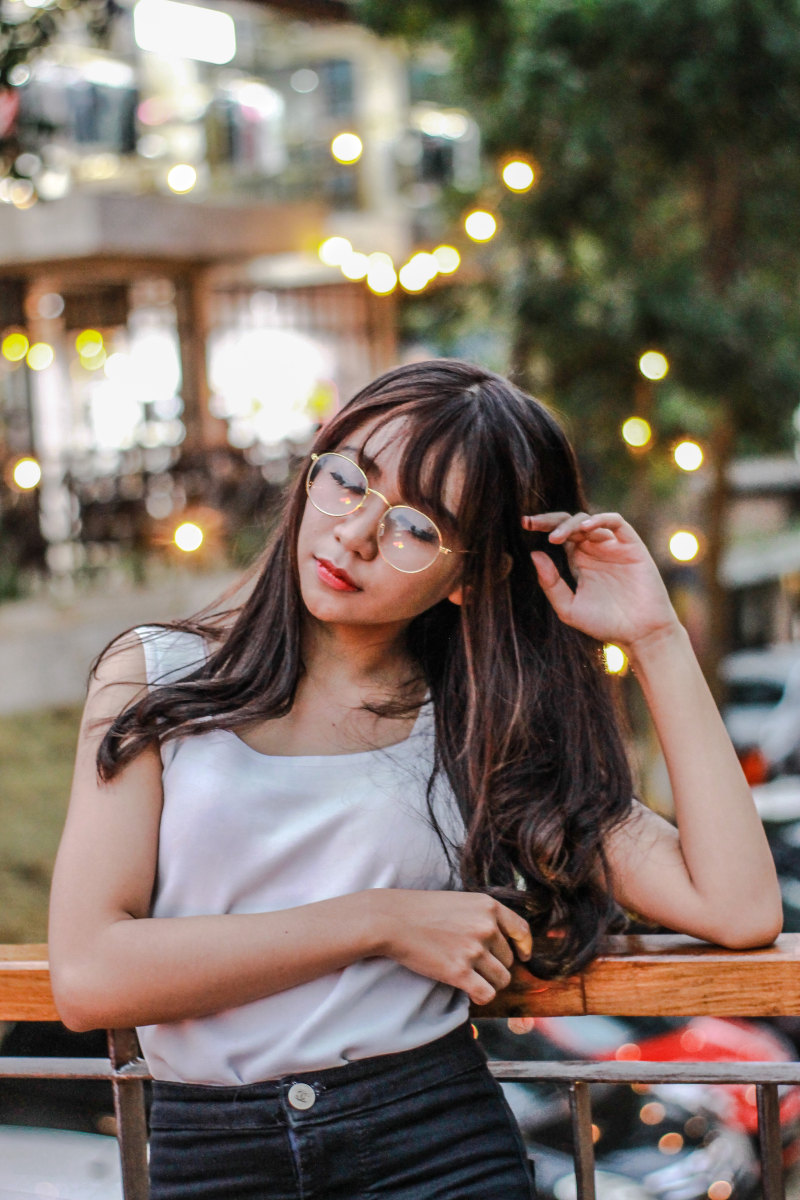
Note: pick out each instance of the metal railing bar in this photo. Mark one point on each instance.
(69, 1068)
(769, 1141)
(650, 1072)
(583, 1146)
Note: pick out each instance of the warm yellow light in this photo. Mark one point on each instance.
(688, 455)
(683, 545)
(334, 251)
(447, 259)
(356, 266)
(40, 356)
(27, 473)
(188, 536)
(653, 364)
(347, 147)
(418, 272)
(480, 225)
(652, 1113)
(720, 1190)
(181, 178)
(89, 343)
(518, 175)
(636, 431)
(15, 347)
(93, 362)
(670, 1143)
(615, 659)
(381, 276)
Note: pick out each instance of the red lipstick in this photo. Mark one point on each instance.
(335, 577)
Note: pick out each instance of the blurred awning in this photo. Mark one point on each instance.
(320, 10)
(771, 557)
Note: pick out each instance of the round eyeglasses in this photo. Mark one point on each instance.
(407, 539)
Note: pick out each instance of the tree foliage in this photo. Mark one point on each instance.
(664, 214)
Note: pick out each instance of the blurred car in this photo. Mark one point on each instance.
(58, 1163)
(649, 1145)
(762, 709)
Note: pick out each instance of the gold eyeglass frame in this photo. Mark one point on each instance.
(370, 491)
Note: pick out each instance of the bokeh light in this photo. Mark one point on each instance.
(518, 176)
(181, 178)
(418, 272)
(684, 545)
(188, 537)
(356, 266)
(347, 147)
(636, 432)
(89, 343)
(447, 258)
(15, 346)
(688, 455)
(26, 474)
(335, 251)
(615, 659)
(480, 225)
(653, 365)
(381, 276)
(40, 356)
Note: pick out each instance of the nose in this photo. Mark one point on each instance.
(358, 531)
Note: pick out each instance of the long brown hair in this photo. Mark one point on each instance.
(526, 731)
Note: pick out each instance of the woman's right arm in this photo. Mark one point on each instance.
(112, 965)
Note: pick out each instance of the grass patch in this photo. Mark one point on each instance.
(36, 756)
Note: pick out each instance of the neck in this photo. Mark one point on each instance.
(355, 656)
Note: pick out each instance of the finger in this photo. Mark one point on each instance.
(568, 528)
(501, 949)
(613, 521)
(521, 1024)
(493, 971)
(556, 589)
(598, 535)
(544, 521)
(479, 990)
(516, 928)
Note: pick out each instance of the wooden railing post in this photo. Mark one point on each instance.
(123, 1050)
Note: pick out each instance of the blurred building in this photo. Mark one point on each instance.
(171, 333)
(762, 566)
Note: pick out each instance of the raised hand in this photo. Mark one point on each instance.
(620, 596)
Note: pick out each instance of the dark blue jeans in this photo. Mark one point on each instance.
(424, 1124)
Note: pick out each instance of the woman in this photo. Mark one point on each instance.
(306, 832)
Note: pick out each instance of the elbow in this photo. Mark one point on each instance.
(76, 999)
(753, 928)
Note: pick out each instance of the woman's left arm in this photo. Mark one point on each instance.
(713, 876)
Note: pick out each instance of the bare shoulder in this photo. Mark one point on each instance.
(118, 678)
(107, 859)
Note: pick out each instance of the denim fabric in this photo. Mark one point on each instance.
(424, 1124)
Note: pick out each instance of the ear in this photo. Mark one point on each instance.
(457, 596)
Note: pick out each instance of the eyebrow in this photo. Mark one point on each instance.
(372, 465)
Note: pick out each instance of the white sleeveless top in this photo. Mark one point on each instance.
(245, 832)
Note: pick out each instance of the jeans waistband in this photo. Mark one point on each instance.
(362, 1083)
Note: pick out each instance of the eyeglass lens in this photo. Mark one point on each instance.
(407, 539)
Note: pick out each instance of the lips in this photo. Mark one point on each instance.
(335, 577)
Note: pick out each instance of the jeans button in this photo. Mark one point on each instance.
(301, 1095)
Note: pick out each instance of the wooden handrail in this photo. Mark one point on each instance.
(651, 975)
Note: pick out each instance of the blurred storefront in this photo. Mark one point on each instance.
(170, 335)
